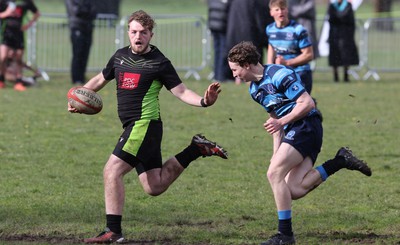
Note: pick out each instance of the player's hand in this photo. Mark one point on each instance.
(72, 109)
(280, 60)
(272, 125)
(211, 94)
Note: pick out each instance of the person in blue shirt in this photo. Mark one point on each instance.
(296, 128)
(289, 43)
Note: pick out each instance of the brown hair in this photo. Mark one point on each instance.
(142, 18)
(277, 3)
(244, 53)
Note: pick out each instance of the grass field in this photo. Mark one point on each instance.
(51, 170)
(51, 165)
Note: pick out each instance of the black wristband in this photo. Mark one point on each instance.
(203, 104)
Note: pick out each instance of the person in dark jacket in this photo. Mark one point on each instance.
(246, 22)
(304, 13)
(81, 15)
(342, 46)
(217, 23)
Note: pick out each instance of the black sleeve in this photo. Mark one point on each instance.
(168, 75)
(109, 70)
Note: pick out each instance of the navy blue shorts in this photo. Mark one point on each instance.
(305, 136)
(140, 145)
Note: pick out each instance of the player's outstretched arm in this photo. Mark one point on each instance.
(189, 97)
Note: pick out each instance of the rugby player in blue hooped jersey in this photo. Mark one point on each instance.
(289, 43)
(296, 128)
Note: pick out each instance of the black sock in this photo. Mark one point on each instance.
(2, 78)
(114, 223)
(188, 155)
(333, 165)
(285, 227)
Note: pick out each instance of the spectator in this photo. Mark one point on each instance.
(217, 23)
(246, 22)
(303, 12)
(289, 43)
(342, 46)
(81, 14)
(13, 39)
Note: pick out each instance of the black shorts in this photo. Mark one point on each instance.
(140, 145)
(305, 136)
(13, 38)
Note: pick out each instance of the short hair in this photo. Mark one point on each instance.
(244, 53)
(142, 18)
(278, 3)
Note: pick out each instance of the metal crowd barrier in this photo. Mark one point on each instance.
(182, 38)
(381, 37)
(377, 43)
(186, 41)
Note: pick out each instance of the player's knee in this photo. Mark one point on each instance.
(273, 176)
(112, 174)
(109, 176)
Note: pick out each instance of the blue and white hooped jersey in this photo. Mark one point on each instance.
(289, 40)
(278, 90)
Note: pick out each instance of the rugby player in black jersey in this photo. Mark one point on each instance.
(13, 39)
(140, 71)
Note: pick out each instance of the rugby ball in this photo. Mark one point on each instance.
(85, 100)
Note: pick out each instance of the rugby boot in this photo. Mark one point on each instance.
(352, 162)
(280, 239)
(106, 236)
(208, 148)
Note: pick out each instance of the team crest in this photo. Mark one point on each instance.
(289, 36)
(290, 135)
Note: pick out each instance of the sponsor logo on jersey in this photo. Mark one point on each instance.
(128, 80)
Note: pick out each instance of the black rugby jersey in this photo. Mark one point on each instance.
(140, 78)
(15, 21)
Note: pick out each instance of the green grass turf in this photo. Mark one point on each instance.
(51, 169)
(51, 165)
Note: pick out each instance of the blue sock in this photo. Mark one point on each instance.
(322, 172)
(285, 222)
